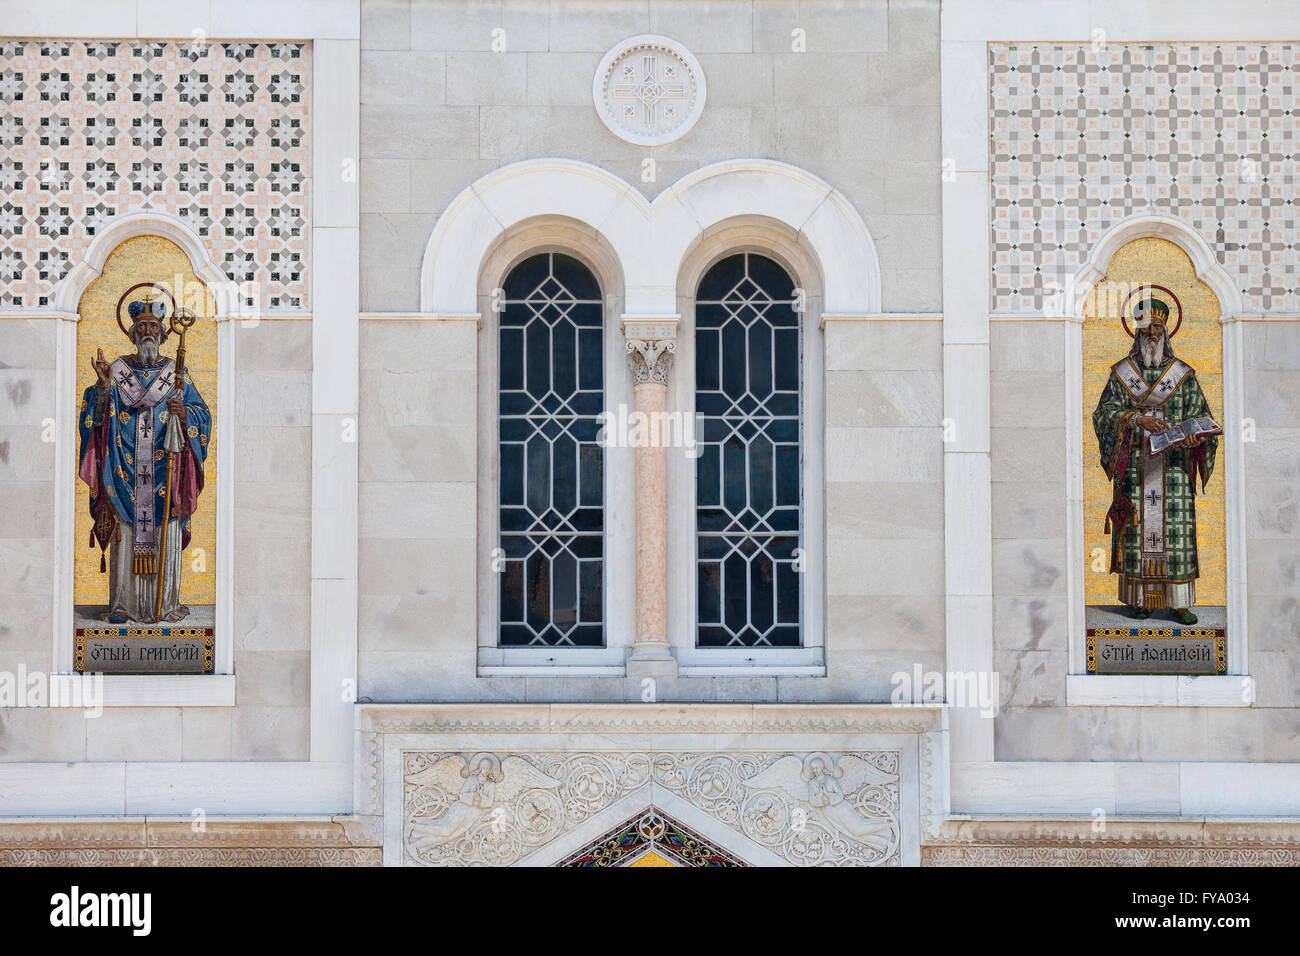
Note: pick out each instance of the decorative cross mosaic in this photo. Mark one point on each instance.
(1083, 137)
(213, 133)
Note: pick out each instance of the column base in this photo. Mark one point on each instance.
(651, 660)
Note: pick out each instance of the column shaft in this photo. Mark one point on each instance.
(651, 527)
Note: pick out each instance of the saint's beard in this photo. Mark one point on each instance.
(146, 347)
(1153, 352)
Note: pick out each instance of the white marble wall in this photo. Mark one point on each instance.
(419, 553)
(884, 507)
(272, 541)
(439, 109)
(27, 384)
(418, 549)
(272, 571)
(1027, 440)
(1030, 636)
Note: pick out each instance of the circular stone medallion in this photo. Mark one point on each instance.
(649, 90)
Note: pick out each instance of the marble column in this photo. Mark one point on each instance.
(650, 345)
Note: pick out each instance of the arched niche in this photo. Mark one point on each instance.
(157, 248)
(1165, 251)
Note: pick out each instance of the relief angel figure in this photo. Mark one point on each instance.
(822, 783)
(481, 783)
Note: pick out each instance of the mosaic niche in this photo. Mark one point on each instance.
(146, 490)
(1153, 464)
(1083, 137)
(213, 133)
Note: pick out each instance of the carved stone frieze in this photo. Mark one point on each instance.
(809, 809)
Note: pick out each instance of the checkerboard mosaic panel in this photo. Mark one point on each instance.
(213, 133)
(1085, 136)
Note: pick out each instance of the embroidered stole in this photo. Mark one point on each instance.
(134, 393)
(1150, 400)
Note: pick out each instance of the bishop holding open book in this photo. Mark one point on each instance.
(1152, 517)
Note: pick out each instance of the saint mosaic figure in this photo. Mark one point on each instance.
(144, 437)
(1157, 436)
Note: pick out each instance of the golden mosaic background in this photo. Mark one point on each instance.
(150, 259)
(1199, 343)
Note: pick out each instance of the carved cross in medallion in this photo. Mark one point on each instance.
(650, 84)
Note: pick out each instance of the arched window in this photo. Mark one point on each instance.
(551, 506)
(748, 391)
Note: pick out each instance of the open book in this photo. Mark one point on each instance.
(1175, 435)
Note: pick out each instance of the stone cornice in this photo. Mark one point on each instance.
(684, 718)
(1118, 832)
(829, 318)
(146, 833)
(471, 317)
(1259, 317)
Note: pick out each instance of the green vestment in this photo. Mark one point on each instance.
(1155, 555)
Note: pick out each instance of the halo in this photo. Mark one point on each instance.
(145, 285)
(1147, 289)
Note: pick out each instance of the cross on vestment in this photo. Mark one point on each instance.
(1153, 496)
(124, 379)
(144, 521)
(1152, 539)
(167, 379)
(1166, 385)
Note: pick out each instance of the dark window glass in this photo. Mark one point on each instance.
(748, 517)
(551, 480)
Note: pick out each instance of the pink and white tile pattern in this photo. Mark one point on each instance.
(214, 133)
(1083, 137)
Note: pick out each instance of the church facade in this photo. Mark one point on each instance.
(649, 433)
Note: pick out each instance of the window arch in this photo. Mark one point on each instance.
(550, 392)
(749, 488)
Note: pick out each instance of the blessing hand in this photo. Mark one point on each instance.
(102, 369)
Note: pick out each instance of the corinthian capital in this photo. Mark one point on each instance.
(651, 341)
